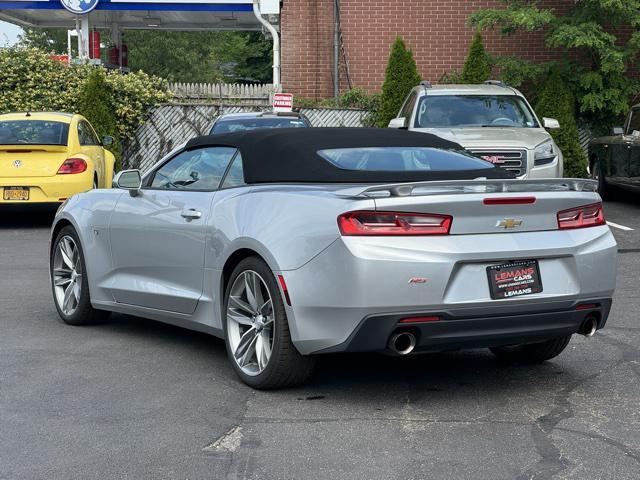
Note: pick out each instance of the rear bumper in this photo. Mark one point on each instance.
(357, 278)
(458, 330)
(53, 189)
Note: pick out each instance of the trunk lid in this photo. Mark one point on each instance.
(476, 205)
(20, 161)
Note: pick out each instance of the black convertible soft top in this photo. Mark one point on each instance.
(291, 155)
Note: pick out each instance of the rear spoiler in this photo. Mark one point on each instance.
(479, 185)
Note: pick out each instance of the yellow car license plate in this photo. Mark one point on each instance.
(16, 193)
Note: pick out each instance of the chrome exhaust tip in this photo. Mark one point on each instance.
(402, 343)
(589, 326)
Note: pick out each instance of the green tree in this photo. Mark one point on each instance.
(555, 100)
(96, 103)
(49, 40)
(600, 57)
(477, 66)
(400, 77)
(180, 56)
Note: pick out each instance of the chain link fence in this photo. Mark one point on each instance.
(173, 124)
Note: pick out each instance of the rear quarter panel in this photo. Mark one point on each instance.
(286, 225)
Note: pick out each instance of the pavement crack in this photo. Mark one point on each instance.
(551, 459)
(624, 448)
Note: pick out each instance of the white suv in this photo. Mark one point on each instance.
(492, 121)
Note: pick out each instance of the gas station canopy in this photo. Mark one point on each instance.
(142, 14)
(83, 16)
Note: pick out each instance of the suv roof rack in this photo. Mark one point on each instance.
(497, 83)
(426, 84)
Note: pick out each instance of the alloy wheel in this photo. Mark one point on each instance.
(67, 275)
(250, 322)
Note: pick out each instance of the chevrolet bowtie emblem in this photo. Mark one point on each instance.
(508, 223)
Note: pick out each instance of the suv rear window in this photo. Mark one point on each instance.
(459, 111)
(33, 132)
(402, 159)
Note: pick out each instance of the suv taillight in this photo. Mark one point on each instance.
(393, 223)
(72, 165)
(590, 215)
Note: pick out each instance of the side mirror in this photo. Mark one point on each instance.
(618, 130)
(400, 122)
(129, 180)
(107, 140)
(550, 123)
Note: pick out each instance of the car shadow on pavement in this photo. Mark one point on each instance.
(26, 216)
(366, 375)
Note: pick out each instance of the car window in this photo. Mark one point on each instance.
(235, 175)
(460, 111)
(407, 109)
(244, 124)
(402, 159)
(86, 134)
(33, 132)
(634, 122)
(200, 169)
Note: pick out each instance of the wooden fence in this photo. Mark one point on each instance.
(222, 93)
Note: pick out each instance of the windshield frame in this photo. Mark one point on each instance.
(520, 101)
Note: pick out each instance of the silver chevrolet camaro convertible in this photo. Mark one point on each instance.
(289, 244)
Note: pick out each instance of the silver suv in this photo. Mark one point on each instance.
(492, 121)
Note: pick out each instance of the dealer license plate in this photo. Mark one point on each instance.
(16, 193)
(514, 279)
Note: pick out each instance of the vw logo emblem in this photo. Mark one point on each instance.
(17, 163)
(79, 6)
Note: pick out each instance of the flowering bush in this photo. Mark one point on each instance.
(31, 80)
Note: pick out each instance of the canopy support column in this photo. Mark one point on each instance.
(82, 27)
(276, 44)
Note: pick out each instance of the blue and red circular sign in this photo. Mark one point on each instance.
(79, 6)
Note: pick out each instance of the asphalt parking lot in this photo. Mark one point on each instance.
(137, 399)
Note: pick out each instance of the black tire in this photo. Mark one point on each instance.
(532, 353)
(286, 366)
(604, 189)
(84, 313)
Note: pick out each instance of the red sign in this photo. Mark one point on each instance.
(60, 58)
(282, 102)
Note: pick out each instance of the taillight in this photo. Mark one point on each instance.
(580, 217)
(392, 223)
(72, 165)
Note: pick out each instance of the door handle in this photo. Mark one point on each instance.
(191, 214)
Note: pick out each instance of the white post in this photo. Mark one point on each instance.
(69, 49)
(276, 44)
(84, 37)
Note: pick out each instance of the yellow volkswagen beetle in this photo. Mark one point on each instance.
(48, 157)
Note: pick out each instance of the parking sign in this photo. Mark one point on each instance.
(282, 102)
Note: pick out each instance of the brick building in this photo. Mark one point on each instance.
(436, 31)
